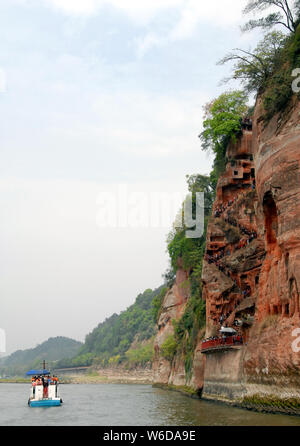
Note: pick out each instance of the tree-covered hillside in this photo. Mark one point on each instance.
(51, 350)
(123, 337)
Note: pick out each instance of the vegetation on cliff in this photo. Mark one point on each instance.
(191, 250)
(187, 330)
(268, 70)
(282, 14)
(253, 69)
(222, 120)
(127, 337)
(189, 254)
(222, 124)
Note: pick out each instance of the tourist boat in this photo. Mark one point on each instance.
(44, 390)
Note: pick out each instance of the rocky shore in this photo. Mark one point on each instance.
(110, 376)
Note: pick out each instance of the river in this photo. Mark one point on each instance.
(126, 405)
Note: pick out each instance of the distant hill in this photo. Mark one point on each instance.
(122, 337)
(51, 350)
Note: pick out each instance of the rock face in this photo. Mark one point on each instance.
(251, 271)
(254, 287)
(234, 249)
(271, 352)
(173, 307)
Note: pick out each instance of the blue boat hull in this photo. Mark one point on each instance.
(45, 403)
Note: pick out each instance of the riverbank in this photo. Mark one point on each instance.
(96, 376)
(110, 376)
(260, 399)
(14, 380)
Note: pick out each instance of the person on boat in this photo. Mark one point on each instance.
(45, 385)
(55, 381)
(34, 382)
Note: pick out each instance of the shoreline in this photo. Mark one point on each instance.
(111, 376)
(85, 380)
(260, 403)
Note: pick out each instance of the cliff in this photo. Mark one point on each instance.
(270, 355)
(250, 275)
(173, 372)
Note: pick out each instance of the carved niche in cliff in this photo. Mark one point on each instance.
(271, 220)
(294, 295)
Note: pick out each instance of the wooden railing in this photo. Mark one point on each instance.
(222, 343)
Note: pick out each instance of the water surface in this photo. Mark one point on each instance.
(126, 405)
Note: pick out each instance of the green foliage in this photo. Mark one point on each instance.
(187, 328)
(278, 90)
(191, 250)
(202, 183)
(271, 403)
(286, 14)
(278, 94)
(268, 69)
(219, 166)
(140, 355)
(113, 337)
(187, 249)
(191, 253)
(114, 360)
(294, 49)
(223, 120)
(169, 277)
(52, 350)
(254, 69)
(191, 321)
(168, 348)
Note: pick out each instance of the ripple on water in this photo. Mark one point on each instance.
(127, 405)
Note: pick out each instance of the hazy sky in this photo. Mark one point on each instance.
(97, 96)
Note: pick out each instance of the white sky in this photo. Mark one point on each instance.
(93, 95)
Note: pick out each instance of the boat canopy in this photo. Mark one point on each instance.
(228, 330)
(38, 372)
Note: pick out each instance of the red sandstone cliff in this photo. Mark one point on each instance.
(276, 149)
(173, 307)
(254, 287)
(251, 271)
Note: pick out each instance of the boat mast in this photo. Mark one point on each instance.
(44, 365)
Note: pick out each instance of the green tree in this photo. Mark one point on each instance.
(202, 183)
(140, 355)
(254, 69)
(168, 348)
(113, 337)
(287, 14)
(223, 120)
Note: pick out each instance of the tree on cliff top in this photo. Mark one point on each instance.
(222, 120)
(285, 13)
(254, 69)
